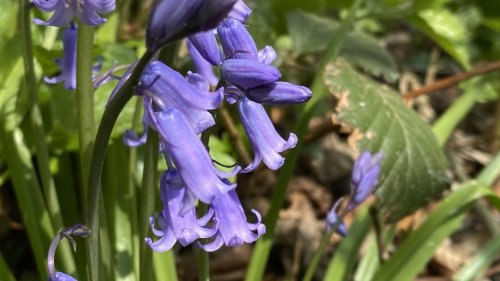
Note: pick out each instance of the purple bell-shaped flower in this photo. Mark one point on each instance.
(175, 223)
(173, 20)
(167, 87)
(87, 11)
(232, 226)
(266, 142)
(182, 145)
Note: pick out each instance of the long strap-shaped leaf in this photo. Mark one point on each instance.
(419, 247)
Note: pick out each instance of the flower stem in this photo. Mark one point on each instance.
(85, 97)
(321, 248)
(262, 249)
(148, 202)
(42, 152)
(106, 125)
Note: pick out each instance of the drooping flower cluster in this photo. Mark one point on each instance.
(363, 181)
(178, 109)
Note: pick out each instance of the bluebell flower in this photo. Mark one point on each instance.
(333, 218)
(232, 226)
(61, 276)
(169, 88)
(202, 66)
(364, 177)
(236, 41)
(266, 142)
(68, 63)
(175, 223)
(279, 93)
(172, 20)
(240, 11)
(78, 230)
(87, 11)
(182, 144)
(248, 73)
(206, 44)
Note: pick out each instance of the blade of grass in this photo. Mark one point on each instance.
(488, 254)
(370, 261)
(418, 248)
(29, 197)
(447, 123)
(42, 152)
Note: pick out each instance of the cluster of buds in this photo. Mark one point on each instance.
(364, 179)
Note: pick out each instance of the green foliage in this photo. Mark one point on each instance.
(485, 257)
(414, 167)
(447, 30)
(418, 248)
(311, 33)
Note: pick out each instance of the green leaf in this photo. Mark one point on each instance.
(414, 166)
(5, 270)
(488, 254)
(346, 255)
(8, 18)
(419, 247)
(311, 33)
(447, 30)
(370, 261)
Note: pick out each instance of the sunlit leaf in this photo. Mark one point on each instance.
(447, 30)
(414, 166)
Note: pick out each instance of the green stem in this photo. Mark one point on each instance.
(490, 173)
(262, 249)
(42, 152)
(108, 121)
(445, 125)
(313, 264)
(132, 191)
(85, 97)
(148, 201)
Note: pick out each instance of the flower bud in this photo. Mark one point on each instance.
(172, 20)
(249, 73)
(279, 93)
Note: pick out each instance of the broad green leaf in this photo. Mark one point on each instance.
(488, 254)
(311, 33)
(418, 248)
(414, 167)
(447, 30)
(345, 256)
